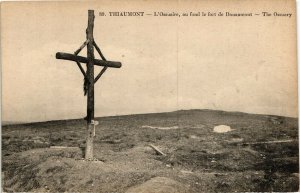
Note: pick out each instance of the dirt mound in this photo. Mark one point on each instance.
(159, 185)
(60, 170)
(35, 166)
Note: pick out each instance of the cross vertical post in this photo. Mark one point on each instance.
(90, 93)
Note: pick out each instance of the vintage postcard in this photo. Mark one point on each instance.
(149, 96)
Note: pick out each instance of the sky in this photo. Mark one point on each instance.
(245, 64)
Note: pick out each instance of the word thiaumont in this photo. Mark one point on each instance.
(125, 13)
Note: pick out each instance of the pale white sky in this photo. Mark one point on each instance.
(169, 63)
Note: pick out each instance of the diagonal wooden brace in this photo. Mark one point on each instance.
(81, 47)
(103, 58)
(99, 51)
(100, 74)
(81, 69)
(78, 64)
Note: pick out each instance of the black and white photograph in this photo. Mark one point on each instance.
(149, 96)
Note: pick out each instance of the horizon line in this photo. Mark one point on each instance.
(145, 113)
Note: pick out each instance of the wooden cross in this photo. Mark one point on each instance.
(89, 79)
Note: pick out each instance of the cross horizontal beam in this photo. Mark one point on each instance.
(73, 57)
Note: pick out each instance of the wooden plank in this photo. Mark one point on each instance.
(72, 57)
(157, 150)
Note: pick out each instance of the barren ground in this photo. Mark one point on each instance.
(197, 159)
